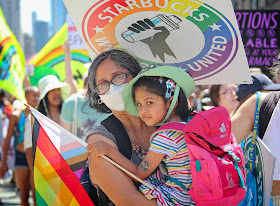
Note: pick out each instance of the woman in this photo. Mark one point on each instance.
(17, 128)
(243, 123)
(108, 75)
(52, 93)
(224, 95)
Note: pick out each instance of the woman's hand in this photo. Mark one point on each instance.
(99, 148)
(3, 169)
(66, 47)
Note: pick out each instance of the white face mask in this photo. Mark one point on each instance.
(113, 97)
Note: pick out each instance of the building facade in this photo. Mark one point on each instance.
(58, 15)
(29, 45)
(41, 35)
(11, 10)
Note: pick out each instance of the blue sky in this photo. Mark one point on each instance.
(42, 7)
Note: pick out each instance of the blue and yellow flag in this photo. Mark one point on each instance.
(12, 61)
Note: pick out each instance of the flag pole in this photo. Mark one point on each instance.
(126, 171)
(105, 157)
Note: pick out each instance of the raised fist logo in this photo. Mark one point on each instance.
(154, 33)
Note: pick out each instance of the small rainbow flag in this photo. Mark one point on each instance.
(59, 160)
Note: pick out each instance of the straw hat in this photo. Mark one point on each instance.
(179, 76)
(51, 82)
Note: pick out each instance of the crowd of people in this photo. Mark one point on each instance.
(117, 112)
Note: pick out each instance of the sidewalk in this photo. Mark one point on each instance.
(9, 196)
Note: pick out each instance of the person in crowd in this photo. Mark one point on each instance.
(261, 83)
(224, 95)
(195, 98)
(81, 122)
(152, 96)
(29, 152)
(52, 93)
(108, 75)
(28, 149)
(6, 108)
(17, 123)
(243, 121)
(83, 119)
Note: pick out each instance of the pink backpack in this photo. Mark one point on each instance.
(216, 160)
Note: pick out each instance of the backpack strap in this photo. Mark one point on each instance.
(236, 159)
(174, 126)
(170, 127)
(252, 150)
(267, 108)
(74, 123)
(113, 125)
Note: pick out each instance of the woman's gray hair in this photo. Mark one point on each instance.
(122, 59)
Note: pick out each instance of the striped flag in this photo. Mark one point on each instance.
(59, 160)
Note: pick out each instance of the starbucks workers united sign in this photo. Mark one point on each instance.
(196, 36)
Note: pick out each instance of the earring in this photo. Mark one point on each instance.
(99, 101)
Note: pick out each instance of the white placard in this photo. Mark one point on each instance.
(201, 37)
(264, 169)
(74, 39)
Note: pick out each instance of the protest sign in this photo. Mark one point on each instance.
(264, 168)
(260, 31)
(74, 39)
(201, 37)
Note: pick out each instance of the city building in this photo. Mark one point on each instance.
(58, 15)
(29, 45)
(41, 36)
(11, 10)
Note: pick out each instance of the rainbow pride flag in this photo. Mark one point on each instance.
(50, 60)
(12, 61)
(59, 160)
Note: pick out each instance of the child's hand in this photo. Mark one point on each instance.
(98, 148)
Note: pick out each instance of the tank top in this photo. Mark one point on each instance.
(19, 134)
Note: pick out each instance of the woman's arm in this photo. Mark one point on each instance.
(68, 69)
(243, 119)
(143, 171)
(65, 125)
(114, 182)
(92, 138)
(6, 144)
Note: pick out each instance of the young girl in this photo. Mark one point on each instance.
(158, 96)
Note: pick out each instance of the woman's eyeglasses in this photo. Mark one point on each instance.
(117, 80)
(228, 92)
